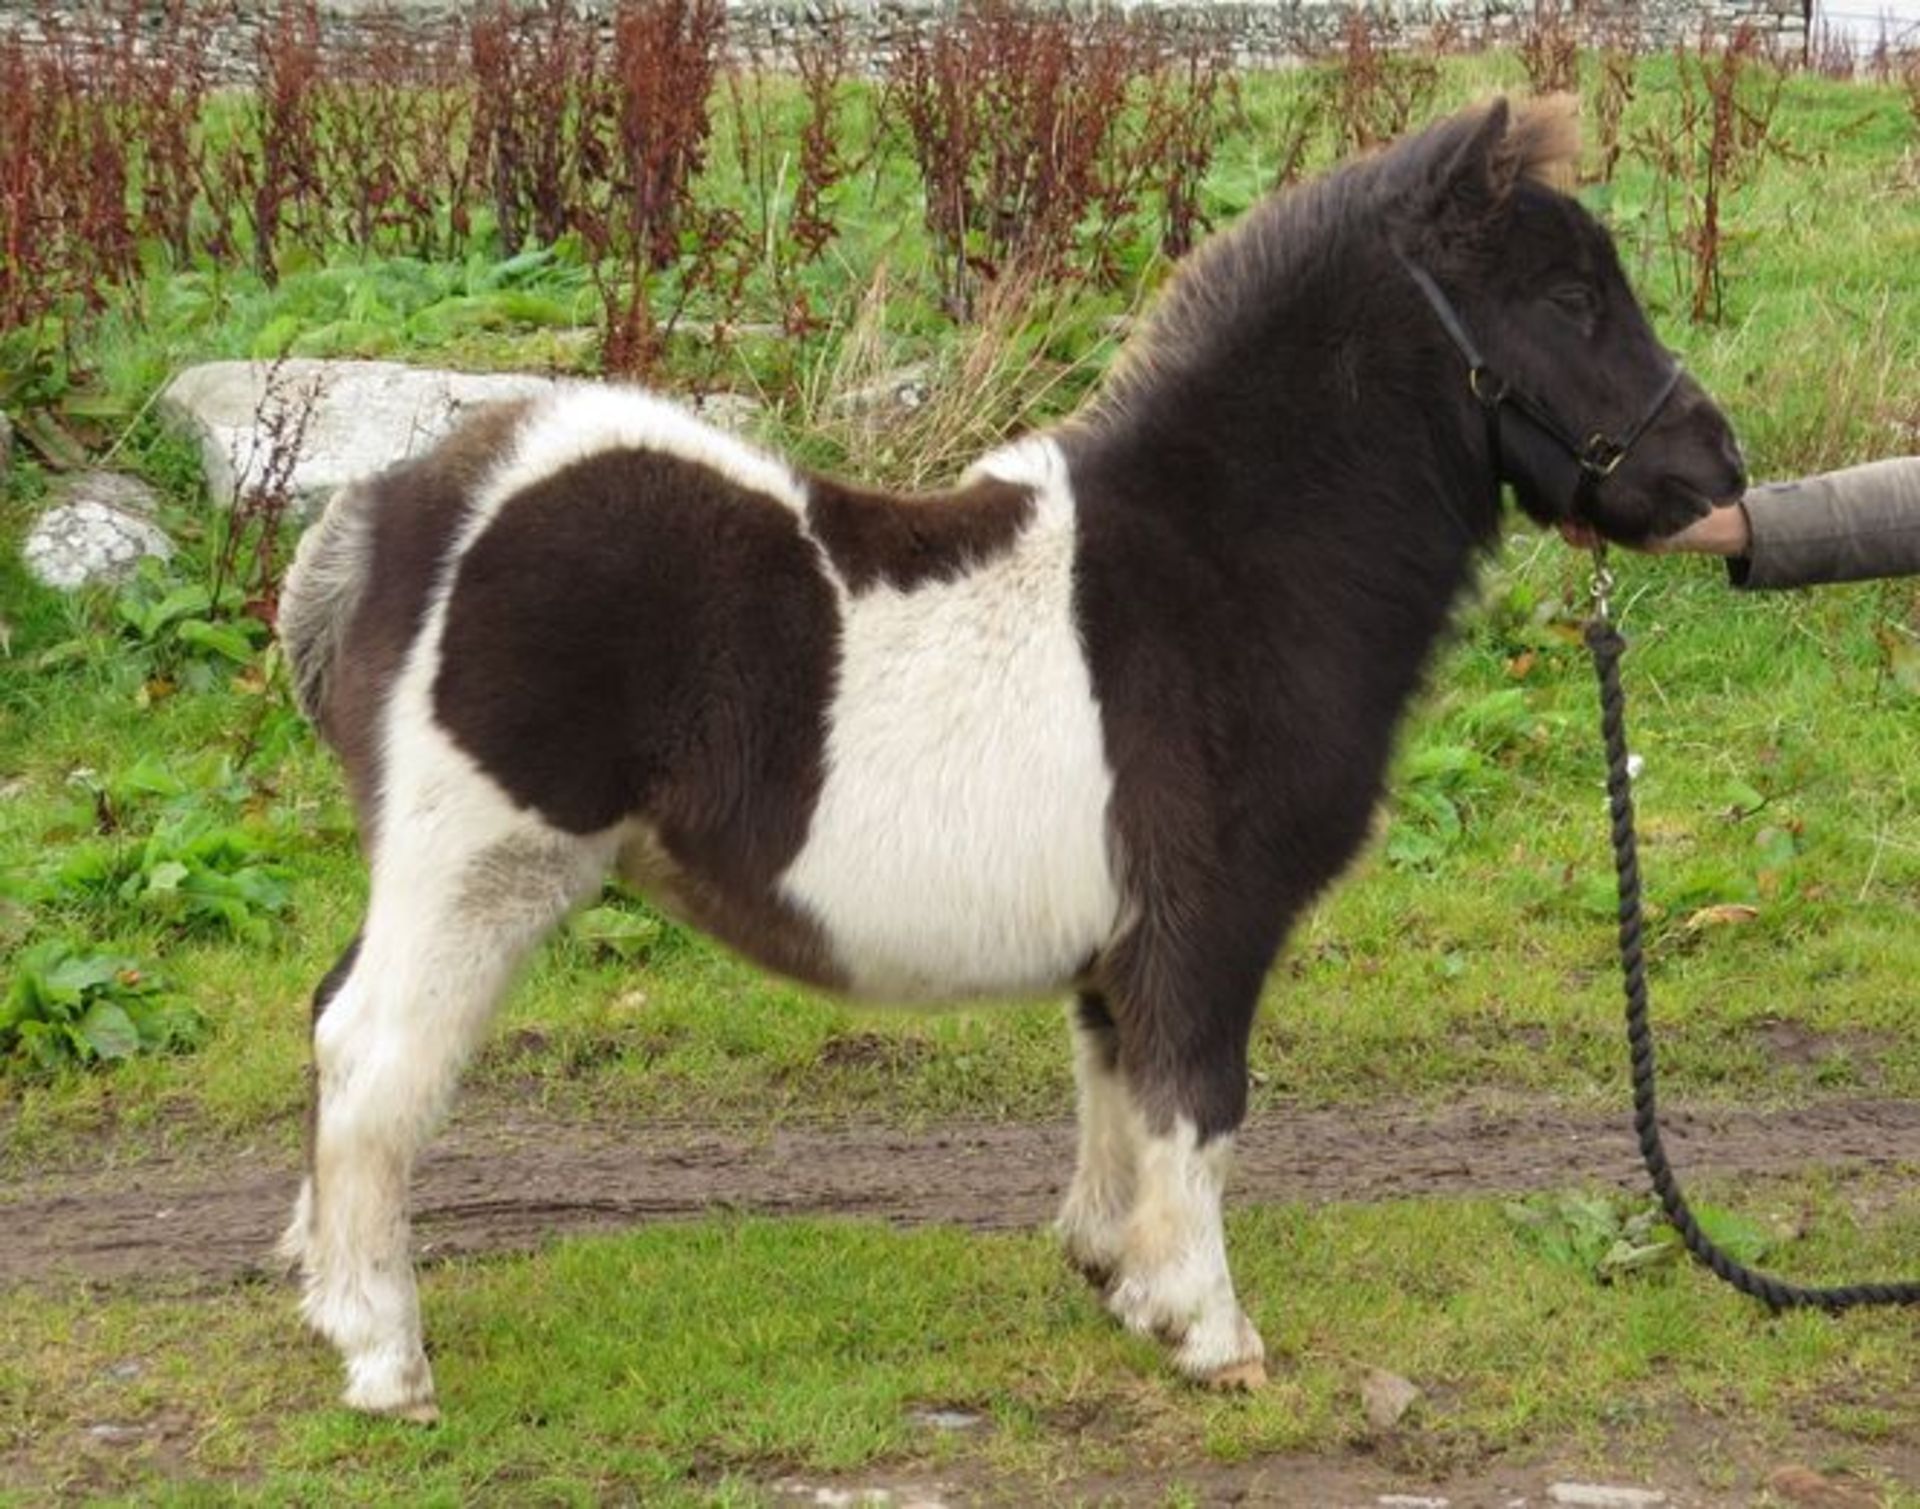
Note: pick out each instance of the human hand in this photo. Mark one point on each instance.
(1722, 531)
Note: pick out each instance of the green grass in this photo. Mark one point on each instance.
(701, 1363)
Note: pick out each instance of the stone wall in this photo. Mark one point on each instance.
(1261, 31)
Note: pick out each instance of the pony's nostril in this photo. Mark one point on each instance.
(1736, 464)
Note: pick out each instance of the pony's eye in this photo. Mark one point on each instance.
(1575, 299)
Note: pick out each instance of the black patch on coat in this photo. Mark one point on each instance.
(638, 637)
(877, 537)
(333, 979)
(416, 510)
(1096, 1021)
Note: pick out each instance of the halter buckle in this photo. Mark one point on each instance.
(1601, 456)
(1490, 390)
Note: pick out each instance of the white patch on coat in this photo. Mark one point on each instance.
(959, 845)
(1174, 1279)
(576, 423)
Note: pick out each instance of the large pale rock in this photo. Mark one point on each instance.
(97, 532)
(349, 419)
(343, 420)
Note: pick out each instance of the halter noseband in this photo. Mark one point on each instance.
(1598, 456)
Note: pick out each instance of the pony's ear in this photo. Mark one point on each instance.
(1475, 161)
(1474, 180)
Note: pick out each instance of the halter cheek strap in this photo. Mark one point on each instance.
(1597, 457)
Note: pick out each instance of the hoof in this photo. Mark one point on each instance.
(423, 1413)
(1238, 1378)
(394, 1389)
(412, 1411)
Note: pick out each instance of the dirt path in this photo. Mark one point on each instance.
(497, 1182)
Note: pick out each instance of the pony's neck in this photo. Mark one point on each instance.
(1315, 428)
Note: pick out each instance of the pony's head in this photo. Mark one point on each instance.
(1593, 419)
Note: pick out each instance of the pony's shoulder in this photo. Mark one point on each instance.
(580, 421)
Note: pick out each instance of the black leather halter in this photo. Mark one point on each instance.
(1538, 439)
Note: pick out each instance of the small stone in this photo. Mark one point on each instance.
(1410, 1501)
(98, 532)
(1387, 1397)
(1802, 1485)
(889, 397)
(946, 1419)
(125, 1371)
(1603, 1496)
(117, 1435)
(730, 411)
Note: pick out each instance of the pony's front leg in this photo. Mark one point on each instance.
(1182, 1068)
(1174, 1282)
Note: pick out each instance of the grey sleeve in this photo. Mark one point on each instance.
(1837, 527)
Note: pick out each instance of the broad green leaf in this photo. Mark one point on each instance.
(83, 973)
(1744, 1240)
(1625, 1257)
(149, 776)
(181, 602)
(225, 639)
(164, 1024)
(625, 934)
(1443, 765)
(109, 1031)
(277, 337)
(166, 876)
(66, 652)
(48, 1045)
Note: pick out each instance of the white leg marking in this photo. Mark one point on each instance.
(1174, 1282)
(1093, 1220)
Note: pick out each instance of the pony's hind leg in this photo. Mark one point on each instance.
(1093, 1219)
(463, 886)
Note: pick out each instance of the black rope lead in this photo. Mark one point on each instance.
(1607, 646)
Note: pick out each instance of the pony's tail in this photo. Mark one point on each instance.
(322, 589)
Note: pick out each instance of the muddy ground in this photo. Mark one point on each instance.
(504, 1180)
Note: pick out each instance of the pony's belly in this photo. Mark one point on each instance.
(919, 927)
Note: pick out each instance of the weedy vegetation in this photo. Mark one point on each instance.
(904, 266)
